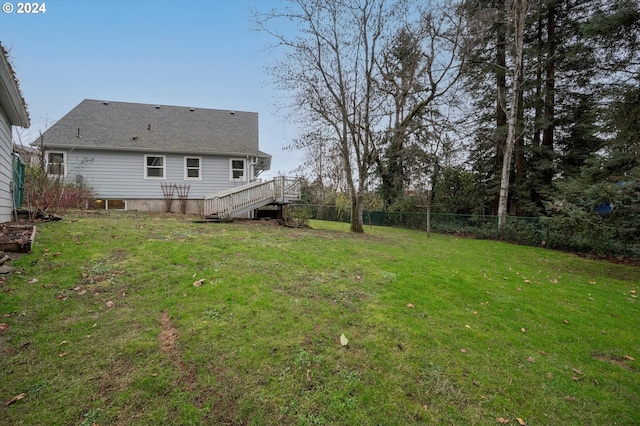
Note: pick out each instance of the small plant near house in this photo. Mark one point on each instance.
(183, 196)
(50, 192)
(299, 215)
(167, 191)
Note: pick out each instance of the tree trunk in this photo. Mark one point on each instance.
(549, 102)
(501, 91)
(519, 15)
(356, 214)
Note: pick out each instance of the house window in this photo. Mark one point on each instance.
(100, 204)
(154, 166)
(237, 170)
(56, 165)
(192, 168)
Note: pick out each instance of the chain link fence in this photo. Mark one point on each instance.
(532, 231)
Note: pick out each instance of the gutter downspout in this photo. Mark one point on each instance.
(252, 168)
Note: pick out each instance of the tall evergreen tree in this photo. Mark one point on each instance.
(575, 52)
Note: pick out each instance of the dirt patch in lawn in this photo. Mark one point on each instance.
(168, 336)
(622, 361)
(168, 339)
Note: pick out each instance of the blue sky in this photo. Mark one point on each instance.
(200, 53)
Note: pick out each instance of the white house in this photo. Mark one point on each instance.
(129, 154)
(13, 112)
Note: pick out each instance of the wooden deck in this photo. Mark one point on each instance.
(243, 199)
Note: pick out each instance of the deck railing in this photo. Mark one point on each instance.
(226, 204)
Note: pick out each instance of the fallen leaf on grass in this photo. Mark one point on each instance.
(628, 358)
(198, 283)
(64, 342)
(523, 330)
(531, 359)
(63, 354)
(521, 422)
(464, 351)
(410, 305)
(575, 370)
(109, 304)
(543, 353)
(308, 375)
(502, 420)
(33, 281)
(4, 326)
(343, 340)
(15, 399)
(565, 321)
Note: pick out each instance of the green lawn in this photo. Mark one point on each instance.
(103, 325)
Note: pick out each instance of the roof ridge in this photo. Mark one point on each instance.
(107, 101)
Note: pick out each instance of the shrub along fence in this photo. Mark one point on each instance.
(533, 231)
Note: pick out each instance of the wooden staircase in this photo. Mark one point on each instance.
(243, 199)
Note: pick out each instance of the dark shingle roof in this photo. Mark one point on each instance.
(157, 128)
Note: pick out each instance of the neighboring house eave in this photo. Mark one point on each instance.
(11, 100)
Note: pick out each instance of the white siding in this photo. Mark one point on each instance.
(6, 169)
(121, 175)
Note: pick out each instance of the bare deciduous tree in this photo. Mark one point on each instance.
(330, 69)
(419, 68)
